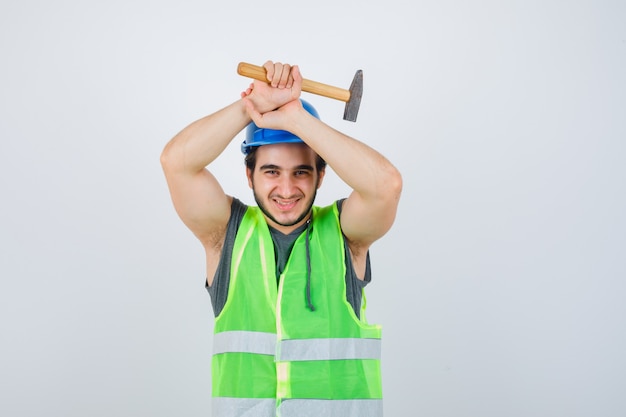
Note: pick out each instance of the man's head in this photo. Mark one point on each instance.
(284, 174)
(284, 179)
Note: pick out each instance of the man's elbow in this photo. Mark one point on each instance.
(168, 159)
(394, 183)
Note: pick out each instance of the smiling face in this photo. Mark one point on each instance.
(284, 182)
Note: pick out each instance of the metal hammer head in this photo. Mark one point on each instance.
(356, 92)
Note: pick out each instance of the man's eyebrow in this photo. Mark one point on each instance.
(303, 167)
(269, 166)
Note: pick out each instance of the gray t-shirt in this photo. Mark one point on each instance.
(282, 248)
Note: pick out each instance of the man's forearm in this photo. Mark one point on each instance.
(201, 142)
(364, 169)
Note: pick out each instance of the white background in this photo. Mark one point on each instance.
(501, 287)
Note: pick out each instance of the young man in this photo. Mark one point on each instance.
(286, 277)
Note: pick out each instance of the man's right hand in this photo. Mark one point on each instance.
(284, 85)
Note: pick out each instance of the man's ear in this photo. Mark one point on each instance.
(320, 177)
(249, 176)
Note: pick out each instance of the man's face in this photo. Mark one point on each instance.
(284, 183)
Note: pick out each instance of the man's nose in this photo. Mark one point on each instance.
(286, 185)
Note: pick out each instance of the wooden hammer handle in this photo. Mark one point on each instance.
(259, 73)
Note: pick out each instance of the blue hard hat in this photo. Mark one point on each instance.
(257, 136)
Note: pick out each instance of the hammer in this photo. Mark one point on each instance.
(352, 97)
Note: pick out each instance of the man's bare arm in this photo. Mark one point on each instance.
(198, 198)
(370, 210)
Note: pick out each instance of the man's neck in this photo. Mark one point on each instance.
(286, 230)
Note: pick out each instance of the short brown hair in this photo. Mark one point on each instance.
(250, 160)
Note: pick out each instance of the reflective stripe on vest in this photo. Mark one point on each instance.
(245, 342)
(331, 408)
(328, 349)
(262, 407)
(296, 350)
(243, 407)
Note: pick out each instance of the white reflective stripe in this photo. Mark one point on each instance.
(331, 408)
(244, 341)
(243, 407)
(329, 349)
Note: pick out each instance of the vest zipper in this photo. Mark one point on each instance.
(308, 265)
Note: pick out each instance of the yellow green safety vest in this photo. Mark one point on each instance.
(273, 356)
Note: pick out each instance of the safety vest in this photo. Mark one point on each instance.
(275, 356)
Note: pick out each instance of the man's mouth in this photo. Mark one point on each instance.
(285, 204)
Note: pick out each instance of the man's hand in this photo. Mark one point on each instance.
(279, 75)
(264, 99)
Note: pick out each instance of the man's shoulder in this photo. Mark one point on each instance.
(331, 208)
(237, 210)
(336, 203)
